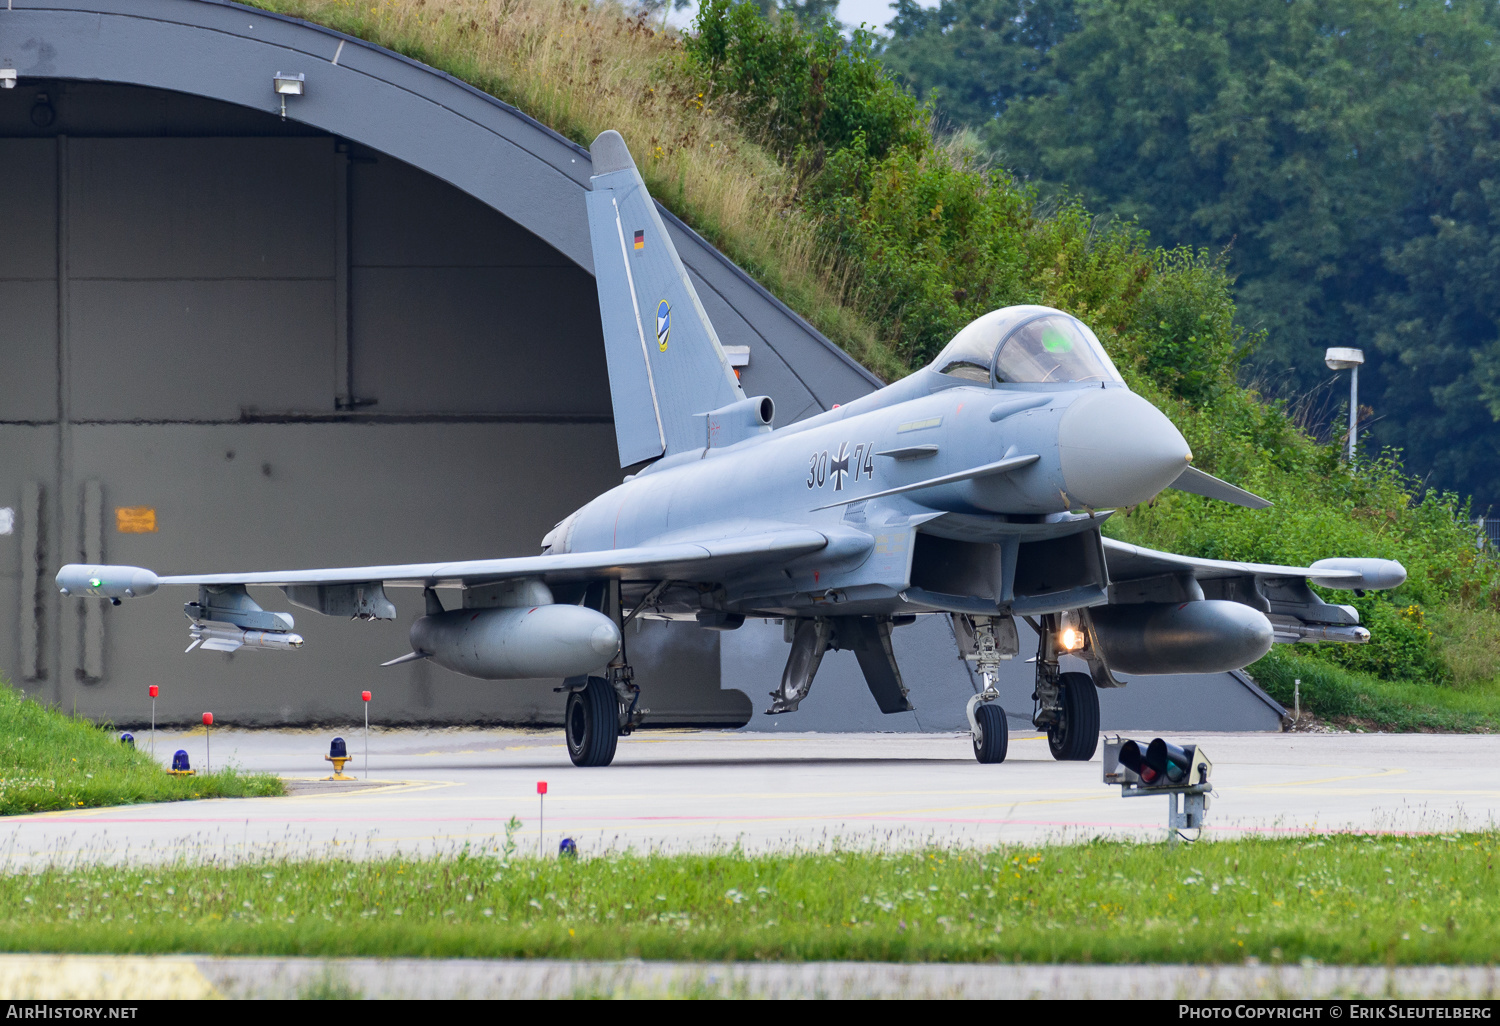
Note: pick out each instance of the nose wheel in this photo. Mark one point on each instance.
(592, 723)
(1073, 736)
(991, 733)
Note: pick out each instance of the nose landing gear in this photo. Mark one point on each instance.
(991, 734)
(986, 717)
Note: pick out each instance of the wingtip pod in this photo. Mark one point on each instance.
(610, 153)
(111, 582)
(1374, 574)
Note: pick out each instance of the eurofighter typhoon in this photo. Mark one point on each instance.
(974, 489)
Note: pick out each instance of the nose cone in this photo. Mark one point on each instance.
(1117, 449)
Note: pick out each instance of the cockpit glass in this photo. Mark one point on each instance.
(1053, 348)
(972, 351)
(1035, 345)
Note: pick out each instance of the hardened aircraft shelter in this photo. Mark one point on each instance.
(365, 332)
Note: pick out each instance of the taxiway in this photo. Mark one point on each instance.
(437, 790)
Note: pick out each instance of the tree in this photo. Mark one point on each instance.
(974, 57)
(1440, 332)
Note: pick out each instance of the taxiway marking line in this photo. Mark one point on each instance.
(1371, 775)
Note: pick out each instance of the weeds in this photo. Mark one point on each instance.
(1340, 898)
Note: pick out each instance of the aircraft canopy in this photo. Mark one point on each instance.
(1026, 345)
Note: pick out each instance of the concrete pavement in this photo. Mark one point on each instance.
(440, 789)
(96, 977)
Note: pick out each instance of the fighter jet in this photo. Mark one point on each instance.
(975, 488)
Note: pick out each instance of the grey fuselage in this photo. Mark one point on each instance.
(1099, 446)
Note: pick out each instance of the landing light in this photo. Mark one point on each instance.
(1070, 639)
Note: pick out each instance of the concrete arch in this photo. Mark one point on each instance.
(424, 117)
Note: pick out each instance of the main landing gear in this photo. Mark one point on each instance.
(601, 709)
(1067, 704)
(1073, 734)
(593, 723)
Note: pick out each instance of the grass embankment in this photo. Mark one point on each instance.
(797, 156)
(581, 68)
(50, 761)
(1338, 899)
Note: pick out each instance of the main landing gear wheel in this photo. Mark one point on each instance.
(993, 736)
(593, 724)
(1075, 735)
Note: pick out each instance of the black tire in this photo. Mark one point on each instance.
(994, 734)
(592, 724)
(1075, 737)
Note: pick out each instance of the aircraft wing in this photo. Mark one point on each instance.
(1296, 612)
(683, 560)
(1132, 562)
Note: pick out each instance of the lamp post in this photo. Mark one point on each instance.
(1340, 358)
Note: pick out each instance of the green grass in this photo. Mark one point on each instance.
(1338, 899)
(1349, 698)
(49, 761)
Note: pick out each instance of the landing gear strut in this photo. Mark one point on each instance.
(986, 718)
(1067, 704)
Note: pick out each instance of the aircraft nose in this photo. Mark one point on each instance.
(1117, 449)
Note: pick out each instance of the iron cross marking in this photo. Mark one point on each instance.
(839, 468)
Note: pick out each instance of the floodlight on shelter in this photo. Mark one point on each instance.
(288, 84)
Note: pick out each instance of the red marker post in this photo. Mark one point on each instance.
(208, 726)
(153, 689)
(541, 800)
(365, 697)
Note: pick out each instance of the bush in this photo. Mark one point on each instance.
(804, 93)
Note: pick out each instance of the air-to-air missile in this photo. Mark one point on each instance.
(974, 488)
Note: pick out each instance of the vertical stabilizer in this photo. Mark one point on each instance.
(666, 367)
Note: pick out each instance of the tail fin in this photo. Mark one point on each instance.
(666, 367)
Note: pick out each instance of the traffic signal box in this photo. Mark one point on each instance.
(1162, 768)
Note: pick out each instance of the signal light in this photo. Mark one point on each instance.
(338, 754)
(1157, 765)
(1161, 767)
(1167, 760)
(128, 738)
(180, 767)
